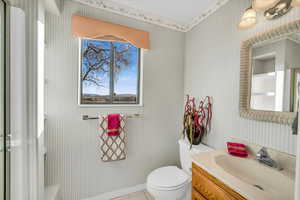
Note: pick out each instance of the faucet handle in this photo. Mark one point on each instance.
(263, 153)
(263, 157)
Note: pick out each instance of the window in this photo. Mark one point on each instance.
(109, 73)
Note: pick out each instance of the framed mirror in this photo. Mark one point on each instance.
(269, 75)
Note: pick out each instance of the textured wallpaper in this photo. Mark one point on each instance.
(212, 67)
(73, 156)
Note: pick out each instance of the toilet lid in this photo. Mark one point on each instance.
(167, 177)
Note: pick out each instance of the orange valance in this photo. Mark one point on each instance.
(90, 28)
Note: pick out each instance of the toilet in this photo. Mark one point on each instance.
(171, 182)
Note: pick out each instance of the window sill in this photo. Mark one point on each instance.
(111, 106)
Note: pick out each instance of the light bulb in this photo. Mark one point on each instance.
(248, 19)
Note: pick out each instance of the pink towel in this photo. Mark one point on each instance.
(237, 149)
(113, 126)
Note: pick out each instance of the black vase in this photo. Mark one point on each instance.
(197, 136)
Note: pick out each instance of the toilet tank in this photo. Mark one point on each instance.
(185, 153)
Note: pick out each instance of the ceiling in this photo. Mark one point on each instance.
(180, 11)
(180, 15)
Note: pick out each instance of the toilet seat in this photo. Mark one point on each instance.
(167, 178)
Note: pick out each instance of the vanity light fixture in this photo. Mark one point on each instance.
(280, 9)
(264, 4)
(248, 19)
(296, 3)
(273, 9)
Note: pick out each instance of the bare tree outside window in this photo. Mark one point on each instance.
(109, 72)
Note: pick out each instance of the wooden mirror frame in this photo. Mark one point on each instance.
(245, 76)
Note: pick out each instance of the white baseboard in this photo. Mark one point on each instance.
(52, 192)
(118, 193)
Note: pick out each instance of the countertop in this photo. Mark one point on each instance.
(208, 162)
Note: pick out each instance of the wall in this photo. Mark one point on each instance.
(212, 68)
(284, 53)
(263, 66)
(276, 49)
(72, 144)
(292, 60)
(53, 6)
(292, 54)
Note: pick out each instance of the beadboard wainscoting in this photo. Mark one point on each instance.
(212, 67)
(73, 159)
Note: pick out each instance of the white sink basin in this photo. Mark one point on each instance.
(259, 176)
(248, 177)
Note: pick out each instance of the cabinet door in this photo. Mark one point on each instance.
(209, 189)
(197, 196)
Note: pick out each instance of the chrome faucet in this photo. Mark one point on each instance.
(263, 157)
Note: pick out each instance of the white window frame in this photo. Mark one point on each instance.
(141, 74)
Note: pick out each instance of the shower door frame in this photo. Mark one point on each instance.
(7, 134)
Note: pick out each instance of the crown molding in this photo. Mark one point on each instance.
(133, 13)
(197, 20)
(149, 17)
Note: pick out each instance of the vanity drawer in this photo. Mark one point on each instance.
(197, 196)
(210, 187)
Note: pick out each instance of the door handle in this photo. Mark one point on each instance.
(8, 136)
(8, 142)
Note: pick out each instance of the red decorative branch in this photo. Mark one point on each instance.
(197, 120)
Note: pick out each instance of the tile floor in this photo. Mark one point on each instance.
(142, 195)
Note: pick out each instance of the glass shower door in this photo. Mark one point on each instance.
(2, 100)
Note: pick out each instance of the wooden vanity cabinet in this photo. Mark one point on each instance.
(207, 187)
(197, 196)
